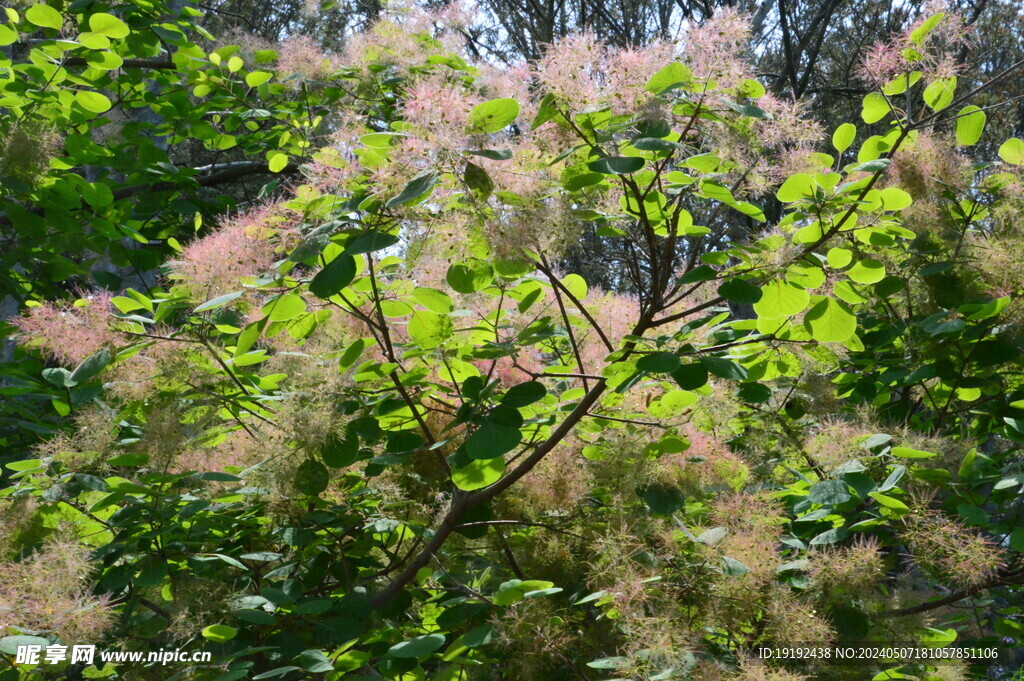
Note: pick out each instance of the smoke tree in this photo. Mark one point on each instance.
(369, 427)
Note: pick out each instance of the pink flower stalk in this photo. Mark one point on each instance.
(219, 262)
(715, 49)
(69, 333)
(569, 68)
(300, 56)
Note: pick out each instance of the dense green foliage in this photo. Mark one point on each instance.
(359, 422)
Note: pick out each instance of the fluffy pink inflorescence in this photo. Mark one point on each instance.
(933, 54)
(300, 56)
(70, 332)
(217, 263)
(715, 49)
(49, 593)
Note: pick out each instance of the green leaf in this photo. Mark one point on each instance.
(257, 78)
(901, 83)
(616, 165)
(92, 101)
(91, 367)
(724, 368)
(369, 242)
(470, 276)
(492, 116)
(1012, 151)
(278, 162)
(919, 34)
(108, 25)
(478, 474)
(477, 179)
(669, 76)
(311, 477)
(339, 452)
(335, 276)
(888, 502)
(829, 493)
(894, 198)
(658, 363)
(314, 661)
(8, 36)
(843, 137)
(830, 321)
(219, 300)
(662, 499)
(493, 154)
(908, 453)
(547, 110)
(43, 15)
(939, 93)
(781, 298)
(430, 329)
(875, 108)
(796, 187)
(219, 633)
(970, 123)
(432, 299)
(691, 376)
(867, 271)
(283, 308)
(524, 394)
(739, 291)
(10, 644)
(839, 258)
(417, 187)
(576, 285)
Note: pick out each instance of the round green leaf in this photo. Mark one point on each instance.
(616, 165)
(283, 308)
(108, 25)
(673, 74)
(219, 633)
(469, 276)
(311, 477)
(939, 93)
(691, 376)
(780, 298)
(339, 452)
(478, 474)
(875, 108)
(524, 394)
(492, 116)
(93, 101)
(43, 15)
(10, 644)
(336, 275)
(894, 198)
(970, 123)
(430, 329)
(658, 363)
(418, 647)
(830, 321)
(796, 187)
(839, 258)
(1012, 151)
(843, 137)
(8, 35)
(432, 299)
(739, 291)
(867, 271)
(576, 285)
(278, 162)
(829, 493)
(498, 434)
